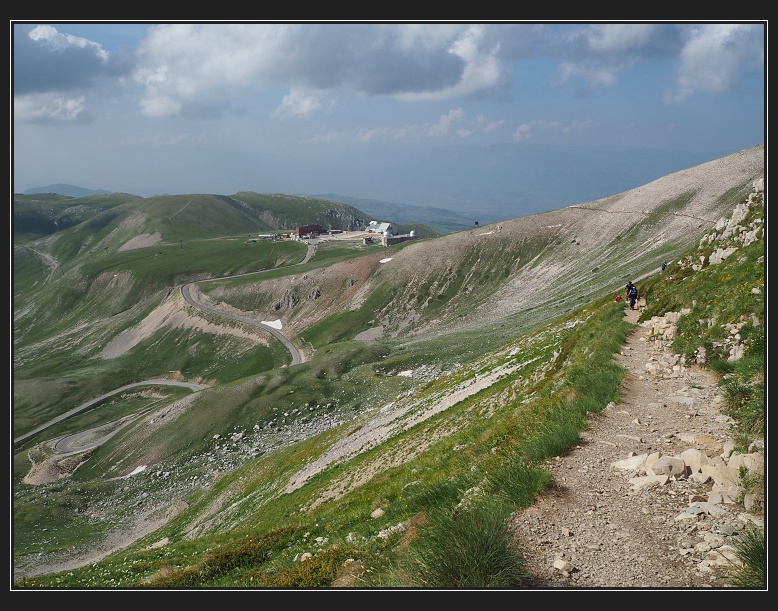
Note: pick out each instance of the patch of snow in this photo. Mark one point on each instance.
(276, 324)
(137, 470)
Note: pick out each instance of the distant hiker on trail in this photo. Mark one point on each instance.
(664, 266)
(632, 295)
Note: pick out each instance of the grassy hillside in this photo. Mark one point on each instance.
(433, 368)
(182, 217)
(35, 216)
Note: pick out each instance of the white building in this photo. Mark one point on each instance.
(380, 228)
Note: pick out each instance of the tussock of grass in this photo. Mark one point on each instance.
(464, 548)
(517, 483)
(751, 550)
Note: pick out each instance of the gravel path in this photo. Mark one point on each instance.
(592, 530)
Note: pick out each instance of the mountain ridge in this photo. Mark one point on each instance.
(66, 189)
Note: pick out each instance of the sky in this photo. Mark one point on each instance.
(508, 118)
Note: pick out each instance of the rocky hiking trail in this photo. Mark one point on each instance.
(647, 499)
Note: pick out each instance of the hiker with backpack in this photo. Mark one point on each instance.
(632, 294)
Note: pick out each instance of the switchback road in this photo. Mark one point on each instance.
(295, 354)
(85, 406)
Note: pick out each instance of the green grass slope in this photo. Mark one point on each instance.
(489, 349)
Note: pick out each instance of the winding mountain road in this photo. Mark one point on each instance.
(293, 351)
(64, 445)
(85, 406)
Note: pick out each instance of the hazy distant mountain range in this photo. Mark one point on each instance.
(439, 219)
(69, 190)
(485, 184)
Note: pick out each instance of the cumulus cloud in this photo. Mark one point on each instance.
(714, 57)
(489, 126)
(593, 74)
(64, 42)
(527, 131)
(47, 110)
(446, 122)
(179, 65)
(299, 104)
(55, 75)
(710, 57)
(205, 70)
(618, 37)
(600, 53)
(366, 135)
(453, 123)
(481, 68)
(46, 60)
